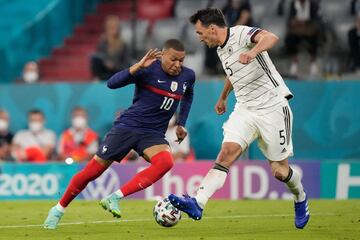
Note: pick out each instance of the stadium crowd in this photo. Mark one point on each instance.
(302, 25)
(78, 143)
(318, 39)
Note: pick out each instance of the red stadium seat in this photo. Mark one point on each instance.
(153, 10)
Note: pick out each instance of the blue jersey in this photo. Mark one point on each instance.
(157, 96)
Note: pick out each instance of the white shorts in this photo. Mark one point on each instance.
(273, 130)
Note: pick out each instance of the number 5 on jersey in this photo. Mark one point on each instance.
(167, 103)
(228, 69)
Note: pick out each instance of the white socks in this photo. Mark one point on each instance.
(295, 187)
(60, 208)
(119, 194)
(213, 181)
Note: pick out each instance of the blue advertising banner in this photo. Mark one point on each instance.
(34, 181)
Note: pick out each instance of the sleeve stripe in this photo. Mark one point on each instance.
(252, 38)
(254, 29)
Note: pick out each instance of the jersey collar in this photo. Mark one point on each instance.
(227, 38)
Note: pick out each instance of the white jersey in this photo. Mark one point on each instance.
(257, 85)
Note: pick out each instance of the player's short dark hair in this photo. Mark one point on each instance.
(35, 111)
(208, 16)
(174, 44)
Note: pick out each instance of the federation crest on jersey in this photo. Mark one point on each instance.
(104, 149)
(230, 50)
(174, 86)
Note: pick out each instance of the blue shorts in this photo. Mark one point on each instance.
(119, 141)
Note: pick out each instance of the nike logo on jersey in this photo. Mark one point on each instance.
(159, 81)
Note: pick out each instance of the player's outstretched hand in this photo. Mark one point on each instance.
(149, 58)
(247, 57)
(220, 106)
(181, 133)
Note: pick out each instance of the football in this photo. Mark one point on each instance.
(166, 214)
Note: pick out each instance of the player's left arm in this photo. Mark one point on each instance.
(263, 40)
(185, 106)
(129, 75)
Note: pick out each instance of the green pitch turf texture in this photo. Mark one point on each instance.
(245, 219)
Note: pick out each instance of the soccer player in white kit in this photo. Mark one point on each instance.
(261, 111)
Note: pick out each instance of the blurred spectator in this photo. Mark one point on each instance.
(280, 11)
(181, 151)
(30, 73)
(5, 136)
(303, 27)
(112, 54)
(5, 133)
(238, 12)
(78, 142)
(331, 51)
(5, 155)
(354, 45)
(35, 144)
(355, 7)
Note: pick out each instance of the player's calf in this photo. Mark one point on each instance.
(161, 163)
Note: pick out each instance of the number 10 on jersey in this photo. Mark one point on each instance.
(167, 103)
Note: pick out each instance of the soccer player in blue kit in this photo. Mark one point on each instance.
(159, 88)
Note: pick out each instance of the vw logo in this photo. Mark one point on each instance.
(107, 183)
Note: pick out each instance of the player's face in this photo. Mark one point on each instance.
(172, 61)
(206, 35)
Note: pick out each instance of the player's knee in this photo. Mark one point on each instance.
(168, 162)
(228, 154)
(164, 160)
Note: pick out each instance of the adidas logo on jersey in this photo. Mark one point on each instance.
(283, 151)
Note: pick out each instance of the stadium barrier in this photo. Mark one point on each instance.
(326, 114)
(247, 179)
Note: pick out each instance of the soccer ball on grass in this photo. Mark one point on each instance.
(166, 214)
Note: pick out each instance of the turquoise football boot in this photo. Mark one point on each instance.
(111, 204)
(53, 218)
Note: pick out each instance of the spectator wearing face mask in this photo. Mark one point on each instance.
(5, 136)
(30, 73)
(78, 143)
(35, 144)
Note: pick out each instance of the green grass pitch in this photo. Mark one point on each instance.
(245, 219)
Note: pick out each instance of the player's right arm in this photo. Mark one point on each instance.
(125, 76)
(263, 41)
(220, 106)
